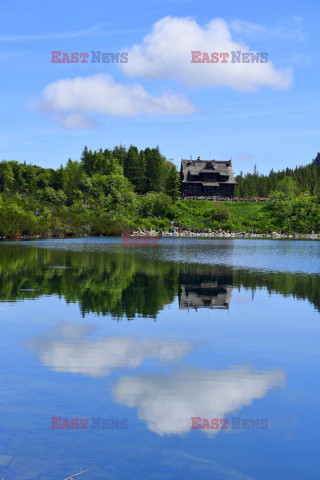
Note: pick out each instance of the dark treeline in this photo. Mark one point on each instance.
(146, 170)
(305, 179)
(96, 195)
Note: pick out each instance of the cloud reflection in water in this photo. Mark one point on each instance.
(66, 349)
(167, 402)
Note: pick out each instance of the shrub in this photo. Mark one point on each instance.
(57, 197)
(157, 204)
(220, 212)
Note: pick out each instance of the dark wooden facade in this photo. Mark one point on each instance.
(207, 178)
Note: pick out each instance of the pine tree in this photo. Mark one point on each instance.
(172, 184)
(155, 164)
(131, 164)
(86, 161)
(140, 174)
(119, 152)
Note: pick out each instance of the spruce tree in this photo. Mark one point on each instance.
(172, 184)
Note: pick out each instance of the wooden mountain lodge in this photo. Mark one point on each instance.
(207, 178)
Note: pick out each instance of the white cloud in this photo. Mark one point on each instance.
(76, 120)
(167, 403)
(101, 94)
(166, 53)
(66, 350)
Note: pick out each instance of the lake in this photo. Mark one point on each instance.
(192, 358)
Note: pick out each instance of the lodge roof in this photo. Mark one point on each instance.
(191, 170)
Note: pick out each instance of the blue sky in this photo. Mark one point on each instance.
(263, 114)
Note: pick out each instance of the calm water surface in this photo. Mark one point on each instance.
(137, 341)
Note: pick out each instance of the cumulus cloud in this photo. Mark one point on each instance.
(76, 120)
(166, 53)
(72, 100)
(66, 349)
(167, 403)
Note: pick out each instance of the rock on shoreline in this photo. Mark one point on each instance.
(152, 233)
(188, 234)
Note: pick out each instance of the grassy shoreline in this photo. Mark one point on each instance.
(26, 219)
(113, 192)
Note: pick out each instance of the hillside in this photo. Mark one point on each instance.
(112, 192)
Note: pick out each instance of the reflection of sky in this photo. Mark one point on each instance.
(66, 349)
(167, 402)
(269, 338)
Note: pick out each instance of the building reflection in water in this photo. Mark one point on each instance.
(131, 286)
(205, 290)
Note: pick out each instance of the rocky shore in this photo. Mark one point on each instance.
(222, 234)
(185, 234)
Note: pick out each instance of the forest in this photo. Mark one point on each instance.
(305, 179)
(109, 192)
